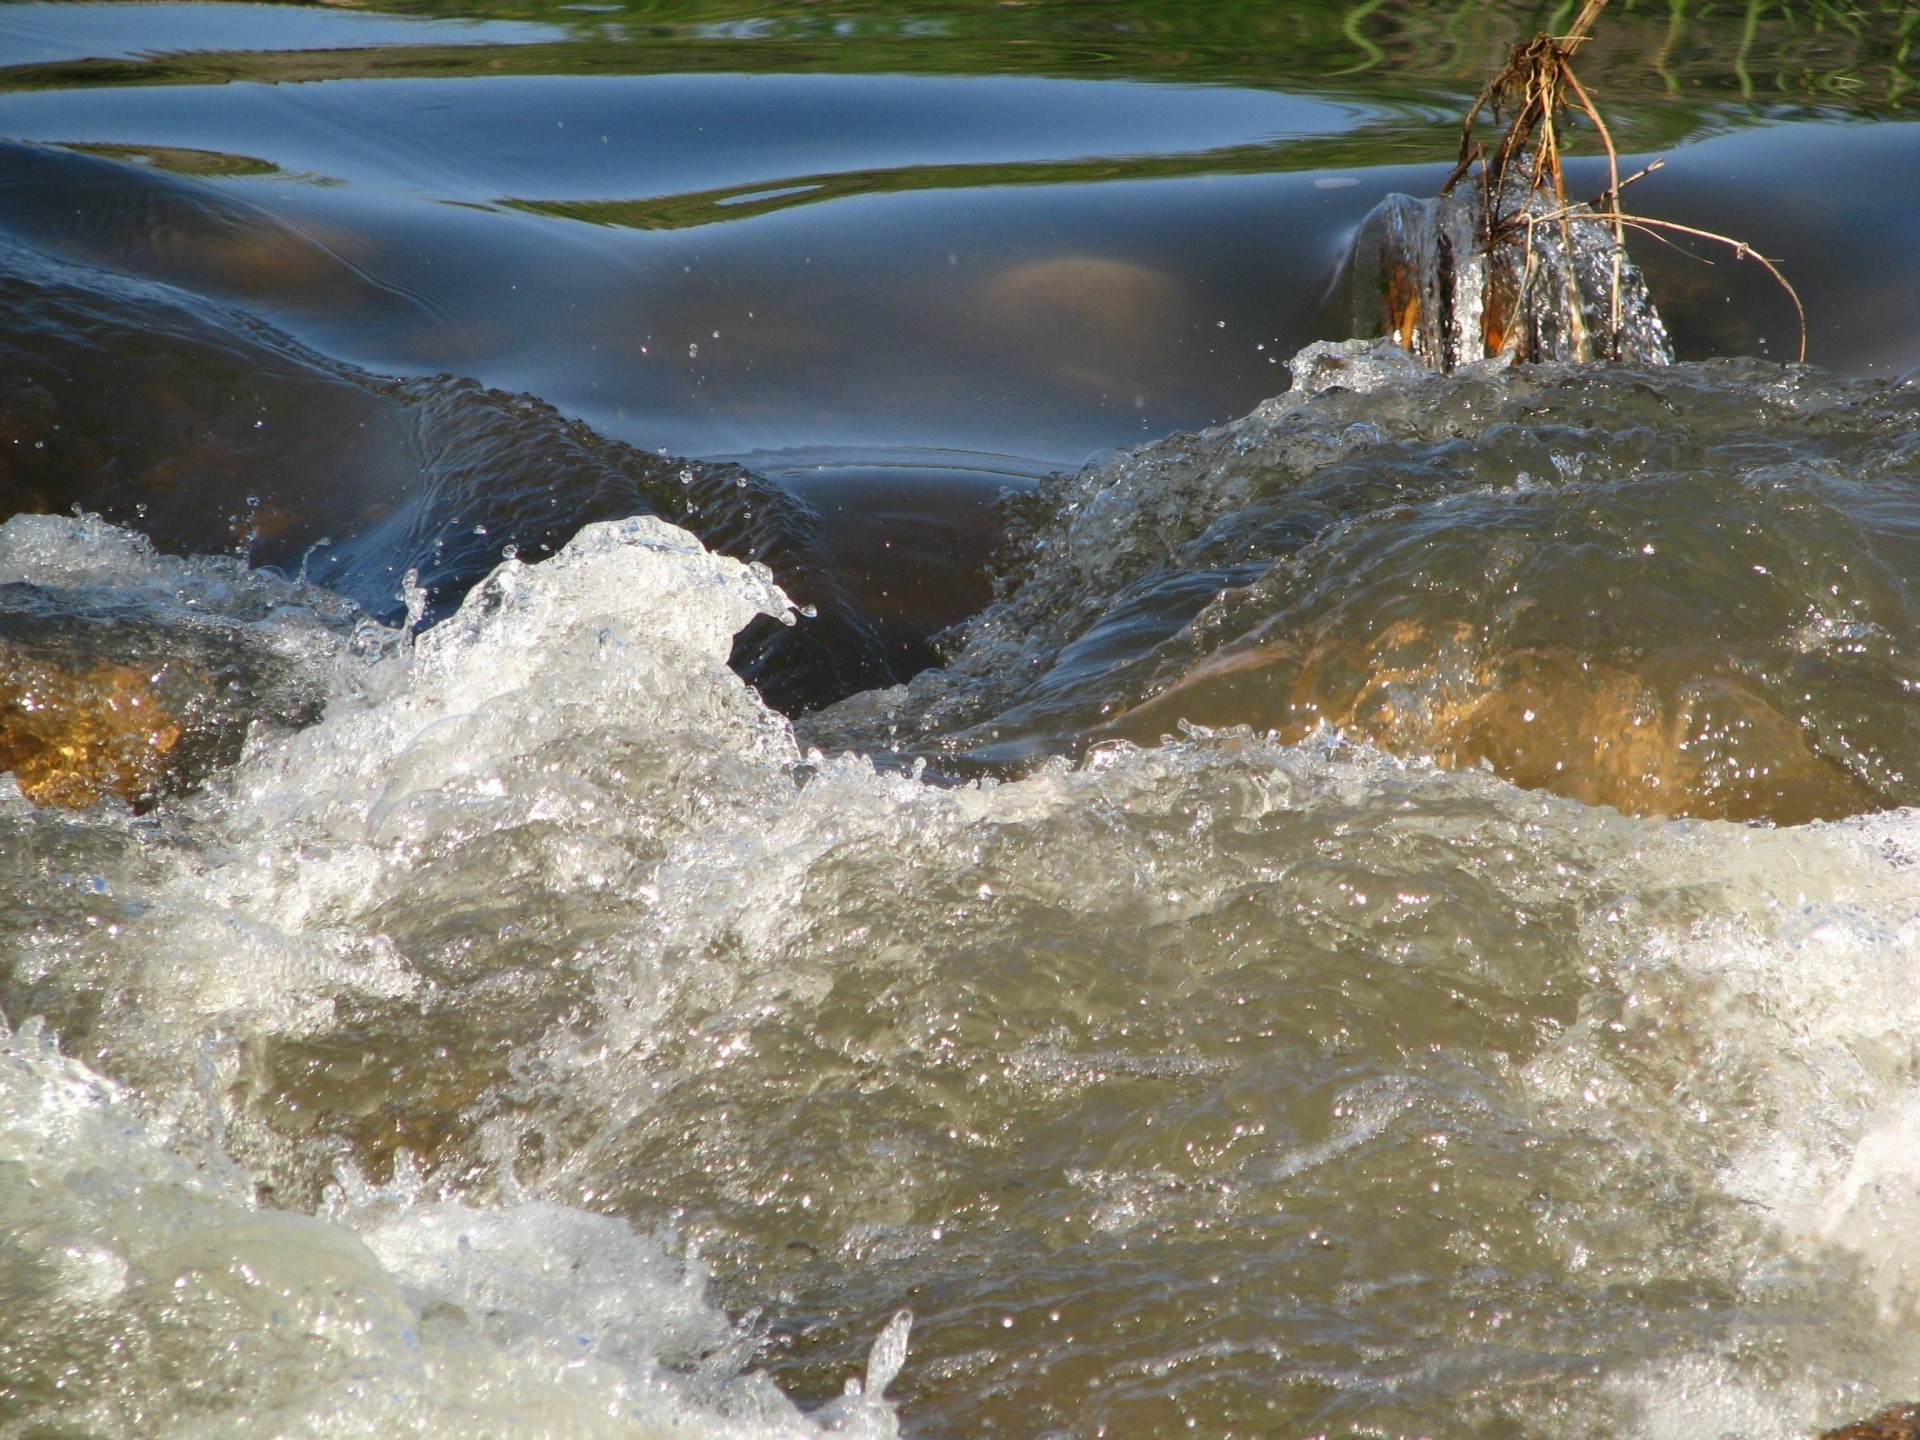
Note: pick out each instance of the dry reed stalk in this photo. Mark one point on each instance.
(1536, 88)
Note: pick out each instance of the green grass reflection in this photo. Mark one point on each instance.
(1854, 57)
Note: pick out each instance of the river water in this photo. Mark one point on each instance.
(717, 684)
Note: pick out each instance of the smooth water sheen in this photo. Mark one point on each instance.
(1396, 915)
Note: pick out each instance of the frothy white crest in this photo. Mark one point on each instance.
(85, 552)
(573, 716)
(641, 575)
(1695, 1395)
(1779, 970)
(1826, 1003)
(501, 720)
(632, 621)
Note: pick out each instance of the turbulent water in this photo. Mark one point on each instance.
(1682, 591)
(519, 1031)
(1396, 915)
(216, 431)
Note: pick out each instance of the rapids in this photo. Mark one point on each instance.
(1680, 590)
(1396, 912)
(543, 1034)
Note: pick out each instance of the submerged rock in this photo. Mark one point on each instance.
(132, 675)
(1896, 1422)
(1679, 591)
(73, 736)
(101, 700)
(1678, 732)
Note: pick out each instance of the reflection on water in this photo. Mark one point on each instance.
(1339, 1005)
(1854, 56)
(38, 33)
(880, 321)
(718, 263)
(1045, 321)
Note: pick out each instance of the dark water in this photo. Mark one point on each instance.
(791, 246)
(1392, 914)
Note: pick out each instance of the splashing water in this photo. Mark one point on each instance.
(1243, 1081)
(1546, 289)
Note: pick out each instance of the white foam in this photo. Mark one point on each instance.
(395, 1314)
(80, 552)
(573, 742)
(630, 623)
(582, 706)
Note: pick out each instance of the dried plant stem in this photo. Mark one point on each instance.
(1531, 86)
(1648, 225)
(1535, 88)
(1612, 198)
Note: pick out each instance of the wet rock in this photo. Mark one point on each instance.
(109, 695)
(71, 737)
(1089, 321)
(1561, 573)
(1896, 1422)
(1676, 734)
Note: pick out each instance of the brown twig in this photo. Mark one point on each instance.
(1535, 87)
(1612, 196)
(1530, 88)
(1741, 250)
(1613, 190)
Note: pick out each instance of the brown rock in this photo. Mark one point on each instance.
(1896, 1422)
(73, 736)
(1672, 735)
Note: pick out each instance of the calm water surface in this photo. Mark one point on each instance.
(1393, 914)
